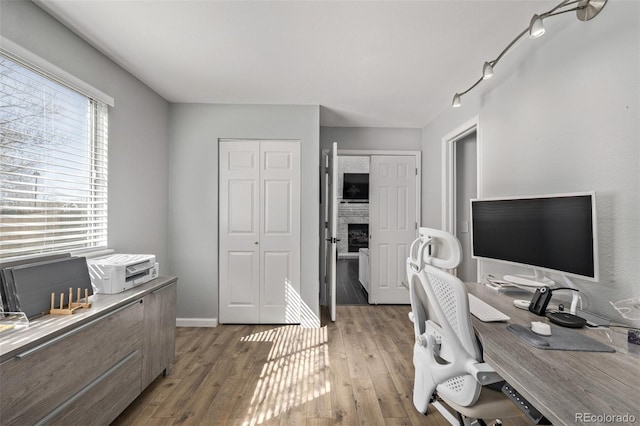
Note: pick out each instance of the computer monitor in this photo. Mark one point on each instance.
(555, 233)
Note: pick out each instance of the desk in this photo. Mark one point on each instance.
(561, 383)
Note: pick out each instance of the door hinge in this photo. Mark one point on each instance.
(326, 225)
(416, 171)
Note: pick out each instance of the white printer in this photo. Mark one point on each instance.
(119, 272)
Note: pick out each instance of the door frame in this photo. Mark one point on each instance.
(449, 173)
(363, 153)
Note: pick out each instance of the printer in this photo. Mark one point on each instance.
(115, 273)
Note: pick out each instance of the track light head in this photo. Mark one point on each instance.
(456, 101)
(487, 71)
(536, 27)
(588, 9)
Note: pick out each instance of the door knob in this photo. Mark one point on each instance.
(256, 243)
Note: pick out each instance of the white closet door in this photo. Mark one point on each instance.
(280, 232)
(393, 222)
(259, 232)
(239, 232)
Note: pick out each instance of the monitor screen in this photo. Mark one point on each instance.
(355, 186)
(555, 233)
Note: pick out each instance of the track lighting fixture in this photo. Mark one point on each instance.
(585, 11)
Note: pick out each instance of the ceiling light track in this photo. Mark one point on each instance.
(585, 11)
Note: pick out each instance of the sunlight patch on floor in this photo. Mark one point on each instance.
(296, 371)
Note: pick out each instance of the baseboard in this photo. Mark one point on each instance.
(196, 322)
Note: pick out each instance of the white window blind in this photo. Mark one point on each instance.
(53, 165)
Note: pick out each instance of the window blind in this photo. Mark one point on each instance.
(53, 165)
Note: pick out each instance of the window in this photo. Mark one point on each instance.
(53, 164)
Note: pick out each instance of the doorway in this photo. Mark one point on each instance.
(461, 183)
(394, 209)
(352, 271)
(465, 189)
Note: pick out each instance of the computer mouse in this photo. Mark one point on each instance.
(540, 328)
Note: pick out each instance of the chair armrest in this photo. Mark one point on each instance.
(483, 373)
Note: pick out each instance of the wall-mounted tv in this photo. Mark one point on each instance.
(355, 186)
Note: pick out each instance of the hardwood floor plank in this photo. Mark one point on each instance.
(372, 354)
(397, 422)
(319, 422)
(389, 399)
(141, 411)
(342, 400)
(319, 381)
(222, 404)
(367, 406)
(355, 356)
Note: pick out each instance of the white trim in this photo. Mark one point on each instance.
(369, 152)
(196, 322)
(448, 175)
(38, 64)
(448, 178)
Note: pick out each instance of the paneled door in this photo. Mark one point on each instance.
(393, 225)
(259, 232)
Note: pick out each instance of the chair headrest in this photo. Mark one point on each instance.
(437, 248)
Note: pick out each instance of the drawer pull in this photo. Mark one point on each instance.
(86, 389)
(72, 332)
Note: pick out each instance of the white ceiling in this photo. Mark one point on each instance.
(367, 63)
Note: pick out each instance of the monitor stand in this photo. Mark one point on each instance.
(537, 280)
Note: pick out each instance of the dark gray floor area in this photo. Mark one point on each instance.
(349, 291)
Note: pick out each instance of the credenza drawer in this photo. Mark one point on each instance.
(39, 380)
(102, 400)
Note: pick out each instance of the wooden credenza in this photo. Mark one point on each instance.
(86, 368)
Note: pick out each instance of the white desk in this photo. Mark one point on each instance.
(561, 384)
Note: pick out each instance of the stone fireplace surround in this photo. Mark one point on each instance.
(349, 213)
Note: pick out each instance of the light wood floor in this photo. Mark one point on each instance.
(356, 371)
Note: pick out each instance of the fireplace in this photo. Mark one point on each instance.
(358, 236)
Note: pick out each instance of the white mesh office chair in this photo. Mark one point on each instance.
(447, 356)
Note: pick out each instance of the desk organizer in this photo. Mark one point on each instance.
(71, 306)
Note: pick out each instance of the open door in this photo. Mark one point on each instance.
(332, 222)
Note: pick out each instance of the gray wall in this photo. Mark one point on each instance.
(193, 193)
(380, 138)
(138, 128)
(561, 115)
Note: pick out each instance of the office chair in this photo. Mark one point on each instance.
(447, 355)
